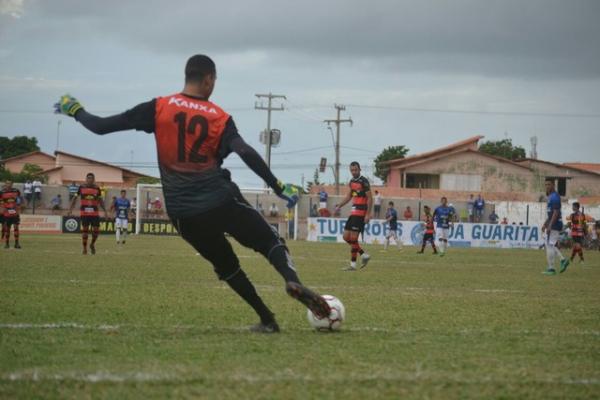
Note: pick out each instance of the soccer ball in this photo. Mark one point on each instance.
(335, 319)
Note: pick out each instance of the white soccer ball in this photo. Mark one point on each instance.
(335, 319)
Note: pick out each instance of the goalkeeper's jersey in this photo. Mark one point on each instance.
(192, 139)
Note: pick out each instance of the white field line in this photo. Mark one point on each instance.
(214, 329)
(286, 376)
(210, 285)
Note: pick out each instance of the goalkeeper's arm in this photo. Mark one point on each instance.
(255, 162)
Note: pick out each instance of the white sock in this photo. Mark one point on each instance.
(550, 255)
(118, 234)
(387, 242)
(399, 243)
(124, 234)
(558, 253)
(353, 264)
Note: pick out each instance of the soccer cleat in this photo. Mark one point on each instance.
(92, 249)
(6, 246)
(442, 254)
(271, 327)
(17, 246)
(365, 260)
(349, 268)
(564, 263)
(420, 252)
(549, 271)
(310, 299)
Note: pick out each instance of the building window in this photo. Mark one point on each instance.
(423, 181)
(560, 183)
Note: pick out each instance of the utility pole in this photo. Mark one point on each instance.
(337, 123)
(269, 108)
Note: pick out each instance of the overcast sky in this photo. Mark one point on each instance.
(419, 73)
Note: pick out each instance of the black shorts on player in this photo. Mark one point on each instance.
(577, 239)
(355, 223)
(10, 221)
(90, 221)
(428, 237)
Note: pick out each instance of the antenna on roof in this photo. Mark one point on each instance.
(533, 152)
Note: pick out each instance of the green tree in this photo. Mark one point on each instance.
(503, 148)
(17, 145)
(389, 153)
(31, 172)
(314, 182)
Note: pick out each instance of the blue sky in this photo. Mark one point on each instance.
(422, 74)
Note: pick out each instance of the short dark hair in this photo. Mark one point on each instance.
(550, 180)
(123, 191)
(90, 174)
(576, 204)
(355, 164)
(199, 66)
(391, 203)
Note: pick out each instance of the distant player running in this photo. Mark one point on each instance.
(444, 217)
(578, 228)
(362, 200)
(391, 216)
(193, 136)
(428, 232)
(552, 228)
(90, 199)
(122, 206)
(10, 201)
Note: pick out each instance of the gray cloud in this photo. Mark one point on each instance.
(530, 39)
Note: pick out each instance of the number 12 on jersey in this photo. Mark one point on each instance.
(197, 127)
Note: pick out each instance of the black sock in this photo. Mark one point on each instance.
(244, 288)
(280, 258)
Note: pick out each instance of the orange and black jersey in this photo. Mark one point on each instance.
(359, 187)
(9, 200)
(89, 199)
(193, 136)
(577, 224)
(429, 224)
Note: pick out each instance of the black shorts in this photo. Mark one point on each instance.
(93, 221)
(206, 233)
(16, 220)
(355, 223)
(428, 237)
(577, 239)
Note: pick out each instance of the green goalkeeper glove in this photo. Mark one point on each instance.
(67, 105)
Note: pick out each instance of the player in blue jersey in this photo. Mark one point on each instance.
(443, 216)
(122, 206)
(391, 216)
(552, 228)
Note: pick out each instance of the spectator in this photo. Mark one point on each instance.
(260, 209)
(134, 205)
(377, 204)
(56, 203)
(314, 211)
(337, 212)
(479, 208)
(470, 206)
(493, 217)
(103, 190)
(73, 189)
(504, 221)
(37, 190)
(274, 210)
(28, 191)
(408, 214)
(323, 198)
(157, 205)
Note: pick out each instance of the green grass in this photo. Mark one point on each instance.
(150, 320)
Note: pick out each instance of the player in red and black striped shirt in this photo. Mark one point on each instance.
(10, 201)
(578, 227)
(429, 231)
(90, 198)
(362, 200)
(193, 136)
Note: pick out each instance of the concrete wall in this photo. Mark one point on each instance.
(579, 183)
(75, 169)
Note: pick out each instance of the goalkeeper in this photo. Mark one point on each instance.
(193, 136)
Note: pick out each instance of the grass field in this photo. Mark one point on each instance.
(150, 320)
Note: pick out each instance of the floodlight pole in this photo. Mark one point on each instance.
(337, 123)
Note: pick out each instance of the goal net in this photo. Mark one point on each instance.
(151, 214)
